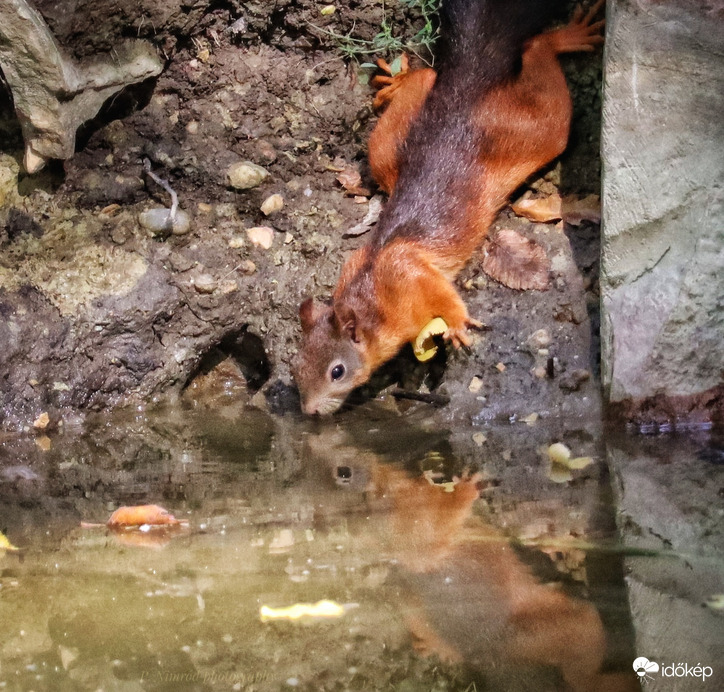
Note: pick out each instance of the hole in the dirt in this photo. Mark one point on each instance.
(246, 350)
(121, 105)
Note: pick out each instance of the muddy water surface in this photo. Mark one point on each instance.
(452, 561)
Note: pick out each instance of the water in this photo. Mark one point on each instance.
(531, 586)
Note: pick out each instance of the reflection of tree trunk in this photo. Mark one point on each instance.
(471, 599)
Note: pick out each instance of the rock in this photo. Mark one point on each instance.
(54, 95)
(157, 221)
(540, 338)
(262, 236)
(663, 225)
(246, 175)
(205, 283)
(272, 204)
(9, 170)
(572, 381)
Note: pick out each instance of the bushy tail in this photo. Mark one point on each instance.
(485, 37)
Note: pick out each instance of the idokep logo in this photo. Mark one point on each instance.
(644, 669)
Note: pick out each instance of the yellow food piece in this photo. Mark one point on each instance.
(579, 462)
(558, 453)
(5, 544)
(321, 609)
(424, 346)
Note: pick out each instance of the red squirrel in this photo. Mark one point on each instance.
(450, 148)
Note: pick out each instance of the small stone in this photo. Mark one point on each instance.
(43, 443)
(192, 127)
(572, 381)
(205, 208)
(288, 238)
(272, 204)
(479, 439)
(245, 175)
(247, 267)
(228, 286)
(205, 283)
(530, 419)
(42, 421)
(500, 367)
(540, 372)
(157, 221)
(540, 338)
(236, 242)
(327, 10)
(262, 236)
(476, 384)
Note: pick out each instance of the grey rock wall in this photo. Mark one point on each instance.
(663, 201)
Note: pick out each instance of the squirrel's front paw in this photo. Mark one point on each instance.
(389, 83)
(459, 335)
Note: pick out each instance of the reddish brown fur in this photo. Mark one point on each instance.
(444, 197)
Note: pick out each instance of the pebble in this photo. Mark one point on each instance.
(272, 204)
(479, 439)
(476, 384)
(205, 283)
(228, 286)
(262, 236)
(245, 175)
(236, 242)
(247, 267)
(42, 421)
(156, 221)
(540, 338)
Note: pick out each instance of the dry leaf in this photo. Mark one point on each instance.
(349, 178)
(321, 609)
(540, 209)
(516, 262)
(142, 515)
(554, 207)
(370, 219)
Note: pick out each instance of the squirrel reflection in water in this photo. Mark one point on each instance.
(470, 599)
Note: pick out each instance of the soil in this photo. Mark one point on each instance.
(98, 312)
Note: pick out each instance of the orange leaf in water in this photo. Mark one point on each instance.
(142, 515)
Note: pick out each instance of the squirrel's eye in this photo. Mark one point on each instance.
(337, 372)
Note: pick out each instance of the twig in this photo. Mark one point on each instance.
(165, 185)
(434, 399)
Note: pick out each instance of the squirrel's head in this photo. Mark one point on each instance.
(331, 360)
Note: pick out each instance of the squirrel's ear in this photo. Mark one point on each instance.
(348, 322)
(309, 312)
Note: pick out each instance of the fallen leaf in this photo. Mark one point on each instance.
(142, 515)
(349, 178)
(321, 609)
(370, 219)
(540, 209)
(516, 262)
(554, 207)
